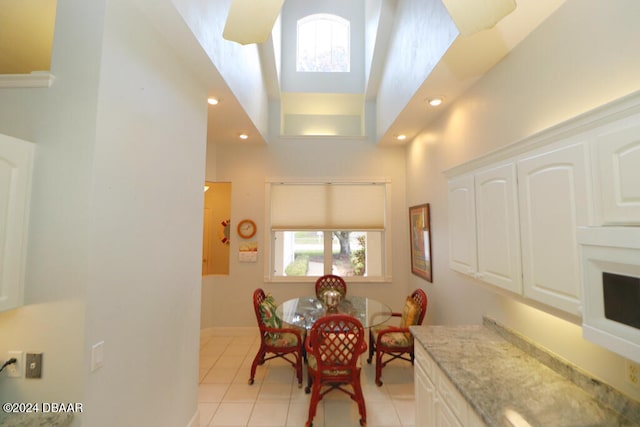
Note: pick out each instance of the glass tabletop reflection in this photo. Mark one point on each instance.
(304, 311)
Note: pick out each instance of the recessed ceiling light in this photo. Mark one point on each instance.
(243, 136)
(401, 137)
(434, 102)
(213, 101)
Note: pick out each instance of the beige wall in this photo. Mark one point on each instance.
(226, 301)
(583, 56)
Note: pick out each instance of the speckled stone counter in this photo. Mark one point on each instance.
(51, 419)
(500, 372)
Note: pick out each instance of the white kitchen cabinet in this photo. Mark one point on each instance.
(617, 154)
(483, 223)
(438, 402)
(425, 392)
(498, 235)
(462, 225)
(16, 160)
(582, 172)
(555, 198)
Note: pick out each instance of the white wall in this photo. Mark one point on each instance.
(115, 232)
(422, 33)
(61, 121)
(239, 65)
(226, 300)
(583, 56)
(146, 206)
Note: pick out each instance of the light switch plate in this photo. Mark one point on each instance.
(97, 356)
(33, 365)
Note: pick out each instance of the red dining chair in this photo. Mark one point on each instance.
(396, 342)
(334, 346)
(278, 341)
(330, 281)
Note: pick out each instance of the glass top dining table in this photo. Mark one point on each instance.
(304, 311)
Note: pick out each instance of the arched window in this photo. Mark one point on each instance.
(323, 44)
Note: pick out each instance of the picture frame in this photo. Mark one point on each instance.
(420, 241)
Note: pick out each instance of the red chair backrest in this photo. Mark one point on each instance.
(330, 281)
(258, 298)
(336, 341)
(420, 298)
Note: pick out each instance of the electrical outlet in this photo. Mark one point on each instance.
(632, 373)
(15, 370)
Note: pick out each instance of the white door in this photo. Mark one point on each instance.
(498, 232)
(554, 199)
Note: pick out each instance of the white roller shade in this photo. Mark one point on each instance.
(328, 206)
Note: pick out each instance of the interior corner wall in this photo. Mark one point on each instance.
(582, 56)
(146, 204)
(226, 300)
(119, 167)
(60, 120)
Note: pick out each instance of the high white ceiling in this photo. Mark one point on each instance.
(26, 30)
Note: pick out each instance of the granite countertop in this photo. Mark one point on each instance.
(50, 419)
(496, 373)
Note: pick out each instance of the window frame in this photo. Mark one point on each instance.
(386, 232)
(335, 20)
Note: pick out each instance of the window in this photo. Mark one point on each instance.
(323, 44)
(328, 228)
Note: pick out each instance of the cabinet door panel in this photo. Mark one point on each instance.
(462, 225)
(618, 155)
(497, 228)
(554, 200)
(445, 416)
(425, 397)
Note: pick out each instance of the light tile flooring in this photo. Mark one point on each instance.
(226, 399)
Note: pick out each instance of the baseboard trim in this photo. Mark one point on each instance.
(195, 420)
(236, 331)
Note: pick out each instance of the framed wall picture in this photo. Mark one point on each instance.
(420, 236)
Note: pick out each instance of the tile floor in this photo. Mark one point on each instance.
(226, 399)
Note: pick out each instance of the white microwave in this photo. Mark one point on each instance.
(611, 288)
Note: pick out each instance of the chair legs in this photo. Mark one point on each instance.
(313, 403)
(317, 394)
(379, 366)
(261, 358)
(359, 398)
(391, 356)
(258, 360)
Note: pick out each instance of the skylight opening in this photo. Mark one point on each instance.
(323, 44)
